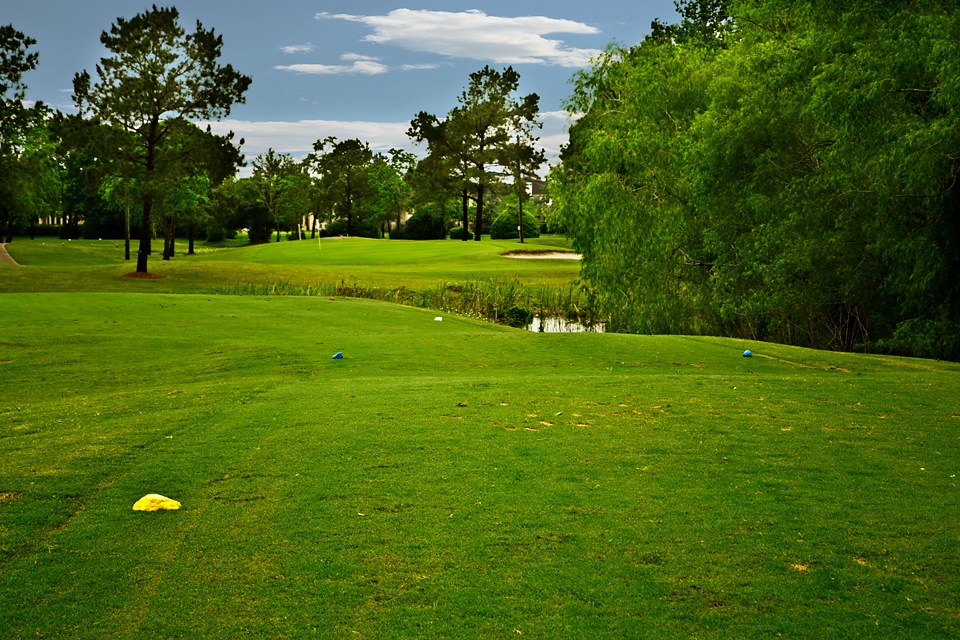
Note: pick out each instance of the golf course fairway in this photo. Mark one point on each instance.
(457, 478)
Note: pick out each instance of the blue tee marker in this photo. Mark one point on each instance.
(746, 354)
(338, 356)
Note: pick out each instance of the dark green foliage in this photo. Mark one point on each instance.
(426, 224)
(360, 228)
(31, 178)
(705, 22)
(29, 175)
(346, 167)
(105, 221)
(236, 204)
(504, 226)
(459, 233)
(517, 317)
(791, 177)
(216, 233)
(925, 338)
(44, 230)
(15, 60)
(392, 193)
(284, 188)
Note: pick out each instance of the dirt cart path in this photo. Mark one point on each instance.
(6, 257)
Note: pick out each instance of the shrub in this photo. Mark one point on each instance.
(216, 234)
(361, 229)
(517, 317)
(425, 225)
(70, 231)
(457, 233)
(398, 233)
(504, 226)
(924, 338)
(45, 230)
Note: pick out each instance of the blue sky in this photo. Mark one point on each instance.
(352, 69)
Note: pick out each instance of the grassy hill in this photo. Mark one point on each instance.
(450, 478)
(57, 265)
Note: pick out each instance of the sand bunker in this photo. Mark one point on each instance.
(542, 255)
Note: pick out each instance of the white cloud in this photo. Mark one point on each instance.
(358, 64)
(361, 64)
(475, 35)
(298, 48)
(418, 67)
(297, 137)
(356, 56)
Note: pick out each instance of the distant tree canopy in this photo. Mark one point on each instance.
(781, 170)
(345, 168)
(28, 180)
(488, 134)
(16, 59)
(156, 74)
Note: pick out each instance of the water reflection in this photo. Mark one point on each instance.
(559, 325)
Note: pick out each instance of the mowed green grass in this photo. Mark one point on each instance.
(97, 265)
(459, 479)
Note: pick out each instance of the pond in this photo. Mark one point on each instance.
(559, 325)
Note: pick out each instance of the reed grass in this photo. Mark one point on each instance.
(481, 299)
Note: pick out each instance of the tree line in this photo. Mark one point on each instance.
(131, 161)
(776, 170)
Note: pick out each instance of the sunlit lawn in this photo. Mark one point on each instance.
(59, 265)
(459, 479)
(450, 478)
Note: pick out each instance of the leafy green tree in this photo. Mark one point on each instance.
(345, 167)
(505, 227)
(621, 190)
(186, 159)
(31, 179)
(216, 159)
(182, 198)
(318, 193)
(520, 155)
(392, 193)
(284, 188)
(15, 60)
(705, 22)
(794, 180)
(488, 130)
(237, 204)
(155, 73)
(17, 124)
(102, 174)
(445, 171)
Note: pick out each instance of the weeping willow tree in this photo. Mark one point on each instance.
(783, 171)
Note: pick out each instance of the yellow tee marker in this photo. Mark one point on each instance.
(155, 502)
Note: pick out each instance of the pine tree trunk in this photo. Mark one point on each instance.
(478, 231)
(466, 214)
(126, 221)
(144, 249)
